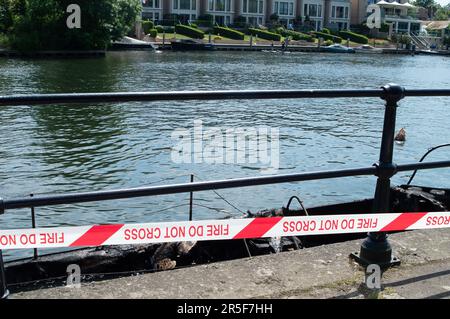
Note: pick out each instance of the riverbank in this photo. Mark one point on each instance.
(320, 272)
(52, 54)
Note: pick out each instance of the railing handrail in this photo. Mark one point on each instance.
(45, 99)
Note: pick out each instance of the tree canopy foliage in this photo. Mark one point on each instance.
(32, 25)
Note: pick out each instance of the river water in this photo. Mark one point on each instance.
(70, 148)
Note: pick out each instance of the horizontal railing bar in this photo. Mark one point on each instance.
(42, 99)
(420, 166)
(200, 186)
(427, 92)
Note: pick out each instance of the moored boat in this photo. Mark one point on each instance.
(127, 43)
(191, 45)
(368, 49)
(105, 262)
(337, 48)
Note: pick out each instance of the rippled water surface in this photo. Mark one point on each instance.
(70, 148)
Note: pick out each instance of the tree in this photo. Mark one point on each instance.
(41, 24)
(5, 16)
(430, 5)
(442, 14)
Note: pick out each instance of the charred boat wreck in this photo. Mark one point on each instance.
(106, 262)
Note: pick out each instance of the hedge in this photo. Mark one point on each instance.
(189, 31)
(262, 34)
(326, 36)
(159, 28)
(355, 37)
(296, 35)
(147, 26)
(153, 33)
(228, 33)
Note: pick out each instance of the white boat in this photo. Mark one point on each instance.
(127, 43)
(368, 49)
(337, 48)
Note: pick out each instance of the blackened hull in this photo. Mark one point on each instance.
(134, 258)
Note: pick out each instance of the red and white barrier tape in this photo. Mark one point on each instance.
(119, 234)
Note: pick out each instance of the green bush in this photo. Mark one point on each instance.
(153, 33)
(193, 25)
(4, 42)
(159, 28)
(189, 31)
(228, 33)
(328, 42)
(326, 36)
(147, 26)
(384, 27)
(446, 41)
(262, 34)
(355, 37)
(297, 36)
(169, 29)
(279, 30)
(325, 30)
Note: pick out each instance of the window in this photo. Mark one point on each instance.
(184, 4)
(284, 8)
(313, 10)
(252, 6)
(339, 12)
(211, 5)
(151, 4)
(228, 6)
(220, 5)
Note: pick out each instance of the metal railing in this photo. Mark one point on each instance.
(374, 250)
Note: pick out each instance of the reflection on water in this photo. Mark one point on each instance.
(66, 148)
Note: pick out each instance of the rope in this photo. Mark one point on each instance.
(423, 157)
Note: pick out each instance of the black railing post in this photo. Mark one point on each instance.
(376, 248)
(33, 225)
(191, 199)
(3, 288)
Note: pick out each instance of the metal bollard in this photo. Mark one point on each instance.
(376, 248)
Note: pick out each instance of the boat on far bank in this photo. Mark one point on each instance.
(191, 45)
(337, 48)
(368, 49)
(127, 43)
